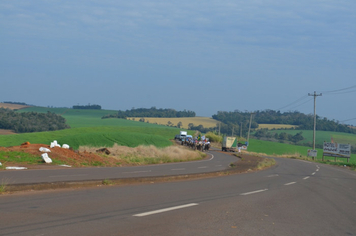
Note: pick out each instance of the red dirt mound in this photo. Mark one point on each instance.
(67, 156)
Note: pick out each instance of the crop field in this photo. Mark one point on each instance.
(12, 106)
(204, 121)
(322, 136)
(275, 126)
(88, 129)
(105, 136)
(288, 150)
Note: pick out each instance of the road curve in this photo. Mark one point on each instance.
(292, 198)
(216, 162)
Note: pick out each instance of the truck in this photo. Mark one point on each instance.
(182, 135)
(229, 143)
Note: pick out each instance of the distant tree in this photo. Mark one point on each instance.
(179, 125)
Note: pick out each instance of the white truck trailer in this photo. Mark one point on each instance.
(229, 143)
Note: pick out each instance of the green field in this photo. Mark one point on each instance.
(288, 150)
(88, 129)
(321, 136)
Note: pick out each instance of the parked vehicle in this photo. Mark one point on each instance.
(229, 143)
(182, 135)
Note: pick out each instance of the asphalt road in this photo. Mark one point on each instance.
(216, 162)
(292, 198)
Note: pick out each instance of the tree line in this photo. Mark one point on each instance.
(150, 112)
(26, 122)
(93, 107)
(302, 121)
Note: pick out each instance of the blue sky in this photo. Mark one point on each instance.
(204, 56)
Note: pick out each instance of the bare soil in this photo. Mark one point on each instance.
(67, 156)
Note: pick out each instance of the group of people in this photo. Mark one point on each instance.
(196, 143)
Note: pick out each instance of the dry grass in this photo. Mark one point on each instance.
(12, 106)
(149, 154)
(275, 126)
(265, 163)
(6, 132)
(204, 121)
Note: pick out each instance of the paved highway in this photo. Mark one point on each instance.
(292, 198)
(216, 162)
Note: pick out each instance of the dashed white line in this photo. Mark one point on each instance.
(272, 175)
(257, 191)
(290, 183)
(317, 169)
(166, 209)
(179, 169)
(201, 167)
(55, 176)
(313, 173)
(134, 172)
(306, 177)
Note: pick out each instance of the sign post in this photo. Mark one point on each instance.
(312, 153)
(337, 150)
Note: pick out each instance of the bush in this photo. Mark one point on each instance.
(213, 137)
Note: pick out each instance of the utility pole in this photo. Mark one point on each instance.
(249, 129)
(219, 128)
(314, 95)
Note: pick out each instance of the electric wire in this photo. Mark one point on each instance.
(339, 90)
(296, 101)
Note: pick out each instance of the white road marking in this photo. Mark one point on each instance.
(179, 169)
(166, 209)
(306, 177)
(272, 175)
(133, 172)
(201, 167)
(290, 183)
(313, 173)
(258, 191)
(55, 176)
(317, 169)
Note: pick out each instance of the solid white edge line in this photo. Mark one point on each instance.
(290, 183)
(165, 210)
(258, 191)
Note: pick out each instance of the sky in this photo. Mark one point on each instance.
(204, 56)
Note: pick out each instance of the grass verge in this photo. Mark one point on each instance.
(147, 155)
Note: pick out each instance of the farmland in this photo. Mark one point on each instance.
(204, 121)
(288, 150)
(12, 106)
(88, 129)
(275, 126)
(322, 136)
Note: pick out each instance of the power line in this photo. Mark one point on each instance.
(339, 90)
(299, 99)
(352, 91)
(301, 104)
(348, 119)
